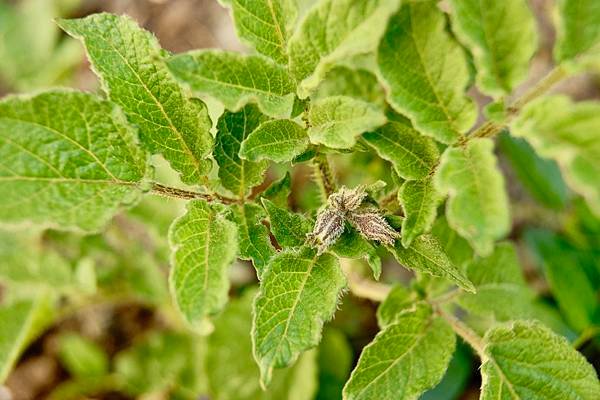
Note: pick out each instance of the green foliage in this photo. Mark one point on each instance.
(128, 61)
(369, 99)
(204, 244)
(82, 191)
(478, 205)
(299, 292)
(502, 38)
(426, 72)
(566, 132)
(516, 352)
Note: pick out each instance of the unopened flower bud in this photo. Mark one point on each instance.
(347, 199)
(371, 224)
(328, 228)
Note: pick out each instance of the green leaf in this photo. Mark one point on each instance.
(334, 30)
(357, 83)
(413, 155)
(129, 62)
(337, 121)
(540, 176)
(289, 229)
(569, 133)
(299, 292)
(425, 254)
(253, 237)
(578, 29)
(162, 362)
(279, 191)
(266, 25)
(457, 248)
(419, 201)
(397, 302)
(457, 378)
(204, 244)
(405, 359)
(426, 72)
(569, 284)
(353, 245)
(501, 290)
(20, 322)
(236, 174)
(82, 357)
(502, 37)
(478, 205)
(232, 370)
(39, 269)
(68, 160)
(279, 141)
(235, 80)
(526, 360)
(335, 362)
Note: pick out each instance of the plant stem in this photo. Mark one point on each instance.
(324, 176)
(175, 193)
(588, 333)
(466, 333)
(362, 287)
(491, 128)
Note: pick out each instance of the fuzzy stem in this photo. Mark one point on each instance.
(175, 193)
(324, 176)
(466, 333)
(490, 128)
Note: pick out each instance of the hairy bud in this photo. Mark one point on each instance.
(346, 200)
(371, 224)
(328, 228)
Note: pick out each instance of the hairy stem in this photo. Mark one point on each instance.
(175, 193)
(491, 128)
(466, 333)
(323, 176)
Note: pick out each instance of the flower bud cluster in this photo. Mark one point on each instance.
(344, 205)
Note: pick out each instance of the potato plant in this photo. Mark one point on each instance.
(200, 158)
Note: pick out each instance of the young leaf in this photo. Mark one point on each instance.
(425, 254)
(236, 79)
(334, 30)
(299, 292)
(502, 37)
(419, 201)
(232, 370)
(572, 289)
(279, 191)
(578, 30)
(568, 133)
(82, 357)
(353, 245)
(289, 229)
(525, 360)
(68, 160)
(413, 155)
(540, 176)
(406, 358)
(129, 62)
(236, 174)
(265, 25)
(280, 140)
(204, 244)
(357, 83)
(501, 290)
(20, 322)
(396, 303)
(457, 248)
(478, 205)
(253, 237)
(426, 72)
(337, 121)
